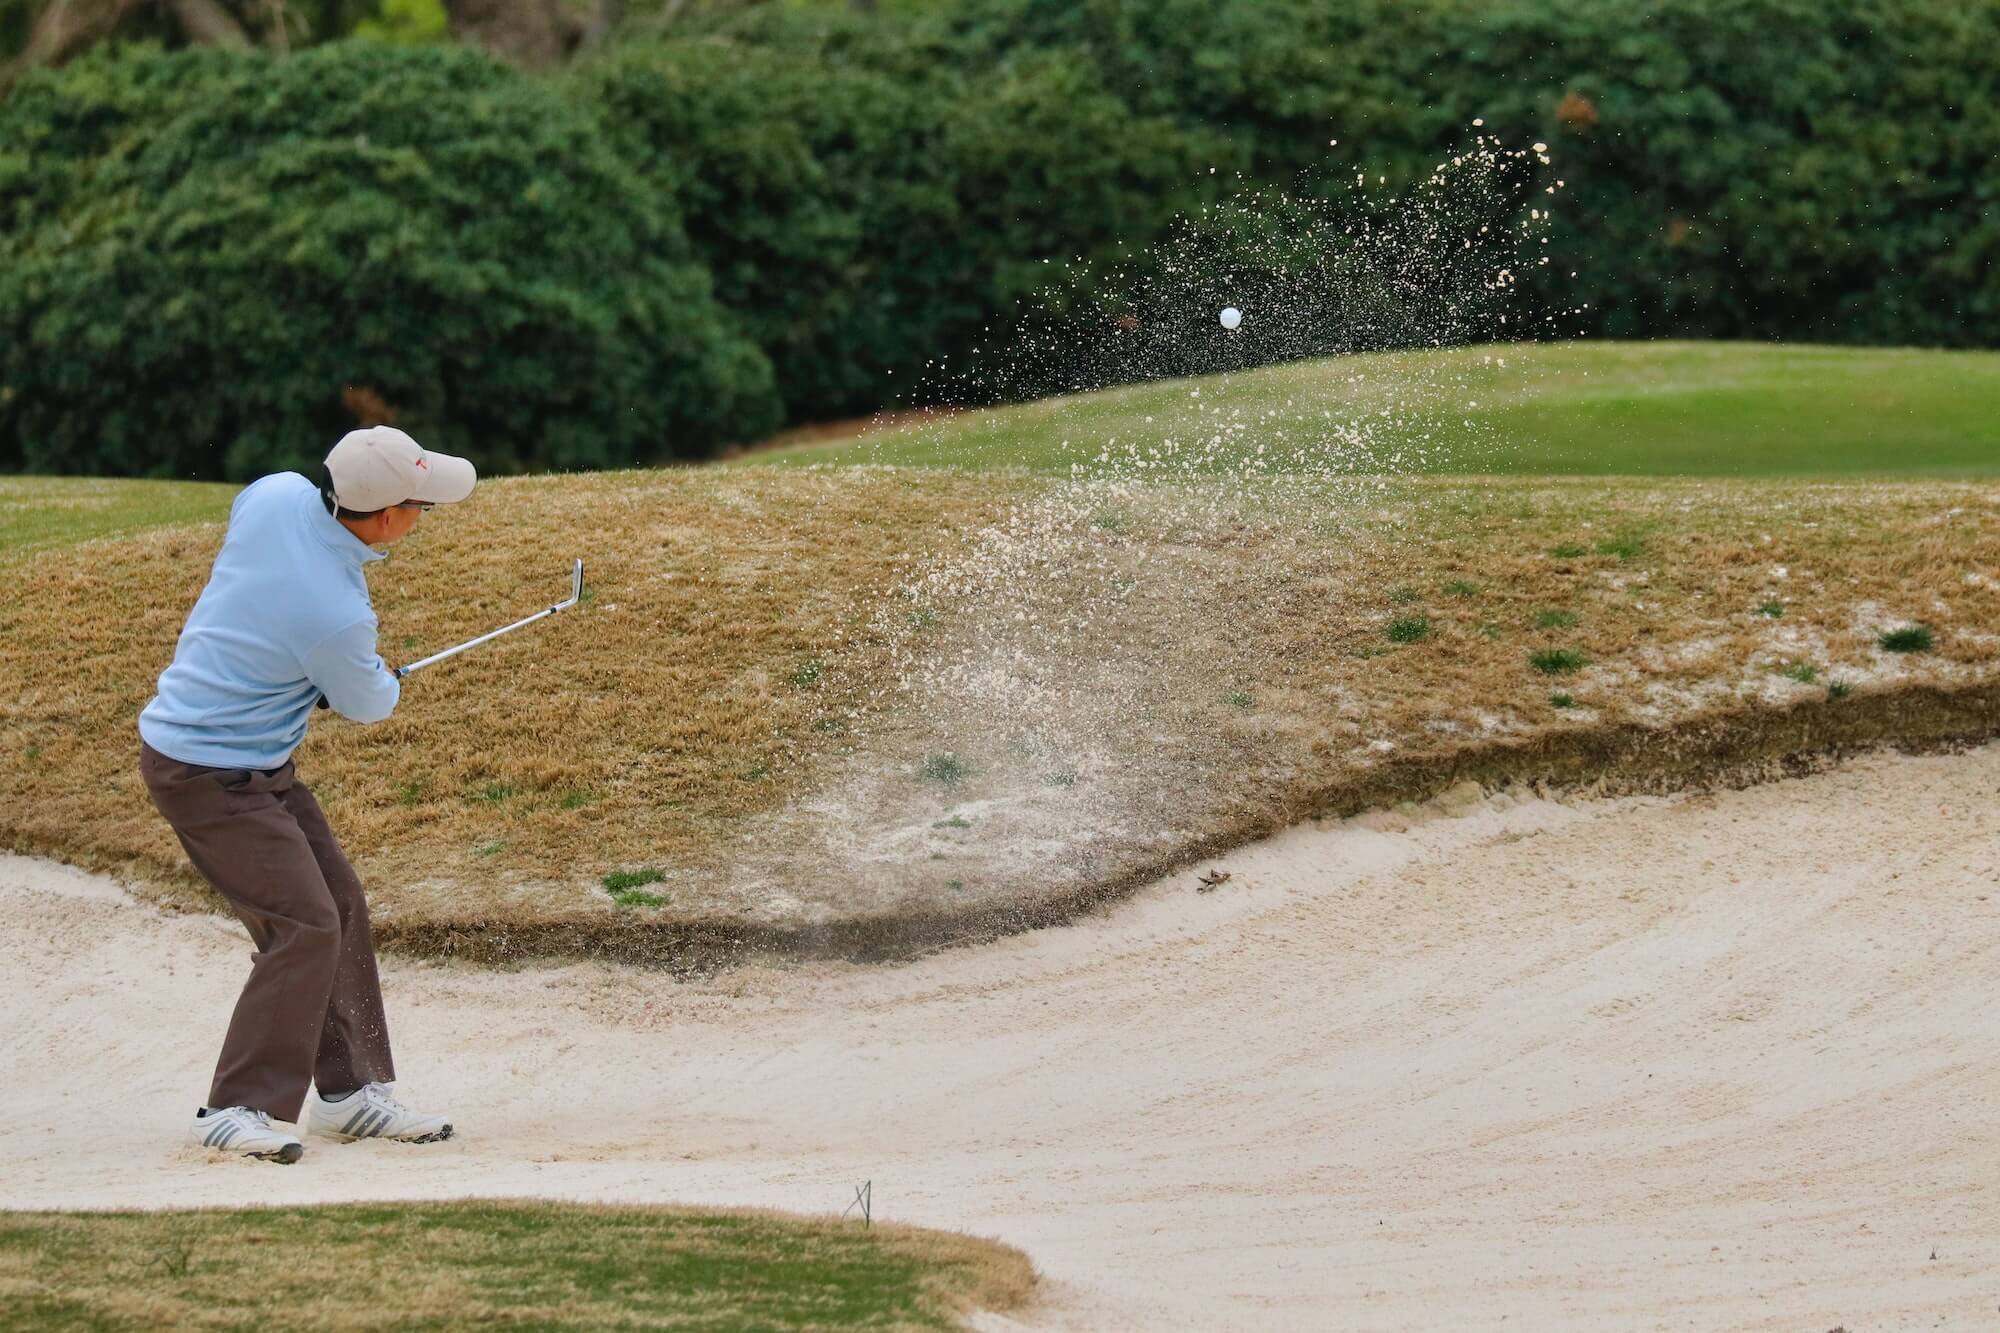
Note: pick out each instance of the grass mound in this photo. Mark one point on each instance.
(1564, 409)
(857, 710)
(519, 1263)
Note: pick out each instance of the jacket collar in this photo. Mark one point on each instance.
(335, 535)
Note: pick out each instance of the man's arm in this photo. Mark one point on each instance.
(352, 677)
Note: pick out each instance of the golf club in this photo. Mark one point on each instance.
(575, 595)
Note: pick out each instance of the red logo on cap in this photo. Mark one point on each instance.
(422, 464)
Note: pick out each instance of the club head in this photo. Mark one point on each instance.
(576, 583)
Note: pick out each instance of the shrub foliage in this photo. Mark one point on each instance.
(213, 266)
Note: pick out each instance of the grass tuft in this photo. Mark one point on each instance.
(1459, 588)
(1561, 700)
(1409, 629)
(496, 791)
(946, 768)
(953, 822)
(1838, 689)
(1554, 661)
(1239, 699)
(808, 673)
(1555, 619)
(1771, 609)
(1569, 551)
(1403, 596)
(1908, 639)
(1805, 673)
(620, 880)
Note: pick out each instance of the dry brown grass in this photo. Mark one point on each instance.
(519, 1262)
(1123, 675)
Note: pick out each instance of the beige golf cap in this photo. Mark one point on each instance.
(381, 466)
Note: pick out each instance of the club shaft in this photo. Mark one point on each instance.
(473, 643)
(575, 596)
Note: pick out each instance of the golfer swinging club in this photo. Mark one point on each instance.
(285, 625)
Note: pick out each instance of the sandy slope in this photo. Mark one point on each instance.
(1727, 1061)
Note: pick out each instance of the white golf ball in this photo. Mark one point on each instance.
(1231, 317)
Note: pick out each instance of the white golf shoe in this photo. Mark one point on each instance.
(371, 1113)
(239, 1129)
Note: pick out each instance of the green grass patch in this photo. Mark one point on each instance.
(49, 513)
(1403, 596)
(1771, 609)
(1805, 673)
(625, 887)
(1561, 700)
(808, 673)
(1240, 700)
(507, 1263)
(1557, 661)
(496, 791)
(1409, 629)
(1838, 689)
(1625, 548)
(946, 768)
(1908, 639)
(1569, 551)
(489, 849)
(1555, 619)
(1459, 588)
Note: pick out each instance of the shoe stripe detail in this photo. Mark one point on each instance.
(229, 1135)
(214, 1133)
(354, 1120)
(378, 1122)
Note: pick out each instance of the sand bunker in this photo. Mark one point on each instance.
(1705, 1061)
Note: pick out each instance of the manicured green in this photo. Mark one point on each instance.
(437, 1265)
(1643, 409)
(45, 513)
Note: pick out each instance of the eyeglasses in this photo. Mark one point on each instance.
(422, 506)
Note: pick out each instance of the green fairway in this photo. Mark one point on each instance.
(521, 1264)
(1643, 409)
(1578, 409)
(40, 513)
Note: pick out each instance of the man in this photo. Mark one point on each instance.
(285, 625)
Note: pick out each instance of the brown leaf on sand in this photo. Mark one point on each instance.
(1210, 879)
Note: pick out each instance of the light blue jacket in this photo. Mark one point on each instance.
(284, 619)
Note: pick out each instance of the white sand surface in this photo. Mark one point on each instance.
(1726, 1061)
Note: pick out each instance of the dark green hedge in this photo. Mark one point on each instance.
(1803, 169)
(863, 223)
(199, 252)
(201, 255)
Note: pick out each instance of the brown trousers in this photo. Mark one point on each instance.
(312, 1008)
